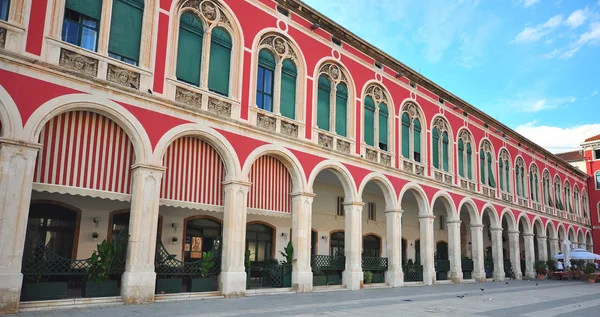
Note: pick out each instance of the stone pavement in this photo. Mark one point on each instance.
(517, 298)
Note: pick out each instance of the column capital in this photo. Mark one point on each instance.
(454, 222)
(528, 235)
(398, 211)
(236, 182)
(493, 229)
(153, 168)
(511, 232)
(300, 194)
(553, 239)
(542, 237)
(354, 203)
(426, 217)
(476, 226)
(13, 142)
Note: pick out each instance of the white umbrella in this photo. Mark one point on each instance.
(577, 254)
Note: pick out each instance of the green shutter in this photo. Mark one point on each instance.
(417, 140)
(469, 162)
(461, 152)
(491, 181)
(266, 59)
(369, 128)
(531, 189)
(405, 135)
(507, 174)
(220, 61)
(341, 108)
(126, 29)
(189, 49)
(537, 188)
(383, 125)
(445, 154)
(287, 102)
(482, 166)
(435, 147)
(323, 106)
(501, 164)
(518, 181)
(91, 8)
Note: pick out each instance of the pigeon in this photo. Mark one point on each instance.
(482, 289)
(491, 299)
(506, 283)
(460, 296)
(536, 284)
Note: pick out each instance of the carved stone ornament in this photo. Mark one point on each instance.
(2, 37)
(343, 146)
(192, 100)
(448, 179)
(265, 122)
(386, 159)
(438, 176)
(487, 147)
(289, 129)
(440, 124)
(219, 107)
(419, 170)
(210, 11)
(334, 72)
(371, 155)
(376, 92)
(407, 166)
(411, 109)
(472, 186)
(123, 76)
(463, 184)
(504, 155)
(465, 136)
(279, 45)
(79, 63)
(325, 140)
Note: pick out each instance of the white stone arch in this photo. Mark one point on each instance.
(551, 231)
(495, 220)
(389, 102)
(510, 219)
(386, 188)
(301, 67)
(237, 38)
(420, 196)
(527, 226)
(286, 157)
(352, 93)
(580, 237)
(560, 228)
(571, 234)
(466, 135)
(589, 241)
(342, 173)
(448, 202)
(92, 103)
(211, 136)
(10, 117)
(406, 105)
(539, 225)
(475, 215)
(436, 121)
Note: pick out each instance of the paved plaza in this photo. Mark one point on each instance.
(517, 298)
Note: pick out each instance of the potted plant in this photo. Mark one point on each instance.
(42, 289)
(542, 269)
(102, 264)
(204, 283)
(319, 278)
(590, 271)
(248, 265)
(288, 255)
(368, 277)
(467, 267)
(551, 264)
(94, 236)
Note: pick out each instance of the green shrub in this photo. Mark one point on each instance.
(368, 277)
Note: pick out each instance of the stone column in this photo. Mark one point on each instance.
(554, 247)
(393, 220)
(139, 280)
(477, 252)
(353, 275)
(235, 205)
(529, 255)
(454, 251)
(497, 253)
(17, 164)
(301, 234)
(427, 248)
(542, 242)
(515, 259)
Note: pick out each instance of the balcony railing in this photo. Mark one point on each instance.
(522, 201)
(507, 197)
(468, 184)
(537, 206)
(333, 141)
(488, 191)
(413, 167)
(377, 155)
(443, 177)
(276, 123)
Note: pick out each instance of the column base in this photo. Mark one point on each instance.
(394, 278)
(498, 277)
(302, 282)
(478, 276)
(233, 284)
(456, 277)
(352, 279)
(10, 292)
(530, 274)
(138, 287)
(429, 277)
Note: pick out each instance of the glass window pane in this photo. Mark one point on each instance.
(4, 6)
(89, 22)
(70, 32)
(268, 103)
(88, 39)
(268, 81)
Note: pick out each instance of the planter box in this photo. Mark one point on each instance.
(44, 291)
(467, 265)
(441, 276)
(378, 278)
(168, 285)
(100, 289)
(206, 284)
(287, 279)
(334, 279)
(319, 280)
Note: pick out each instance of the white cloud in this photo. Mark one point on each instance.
(556, 139)
(532, 34)
(537, 105)
(592, 36)
(577, 18)
(529, 3)
(595, 92)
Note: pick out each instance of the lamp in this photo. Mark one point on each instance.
(174, 240)
(315, 26)
(324, 238)
(399, 74)
(284, 235)
(174, 226)
(96, 221)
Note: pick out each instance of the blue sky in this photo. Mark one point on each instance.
(532, 64)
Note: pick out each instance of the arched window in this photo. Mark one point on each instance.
(371, 246)
(547, 189)
(465, 155)
(277, 76)
(486, 166)
(411, 132)
(220, 61)
(440, 145)
(441, 250)
(189, 48)
(584, 203)
(597, 178)
(209, 71)
(126, 30)
(520, 178)
(52, 225)
(534, 184)
(504, 170)
(558, 193)
(576, 201)
(568, 197)
(376, 117)
(259, 240)
(4, 9)
(332, 99)
(81, 23)
(336, 243)
(202, 231)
